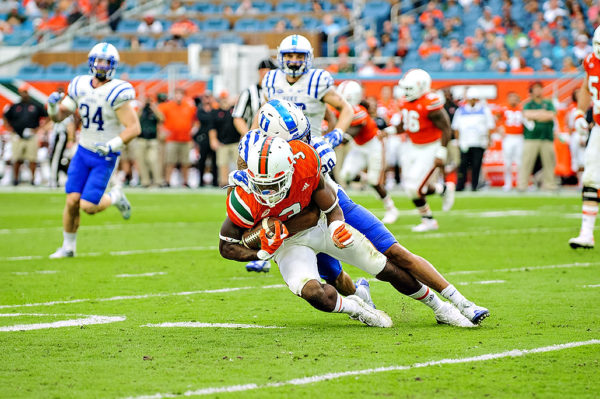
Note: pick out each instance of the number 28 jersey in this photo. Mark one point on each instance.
(591, 65)
(245, 211)
(97, 108)
(415, 118)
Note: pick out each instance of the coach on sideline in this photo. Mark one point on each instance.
(249, 100)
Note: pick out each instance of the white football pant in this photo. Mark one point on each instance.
(417, 161)
(591, 172)
(370, 156)
(512, 152)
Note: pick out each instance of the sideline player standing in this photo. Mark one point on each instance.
(104, 107)
(589, 95)
(512, 141)
(428, 126)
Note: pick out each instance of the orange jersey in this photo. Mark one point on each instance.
(591, 65)
(245, 211)
(512, 119)
(415, 118)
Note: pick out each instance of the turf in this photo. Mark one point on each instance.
(502, 240)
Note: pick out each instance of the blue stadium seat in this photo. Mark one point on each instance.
(119, 42)
(128, 26)
(229, 38)
(310, 23)
(144, 70)
(82, 69)
(263, 7)
(289, 7)
(389, 50)
(246, 25)
(123, 71)
(215, 25)
(377, 9)
(31, 72)
(205, 8)
(179, 68)
(60, 71)
(17, 38)
(147, 42)
(271, 22)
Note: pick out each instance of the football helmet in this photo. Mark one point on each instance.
(414, 84)
(280, 118)
(596, 42)
(352, 91)
(270, 170)
(107, 52)
(295, 44)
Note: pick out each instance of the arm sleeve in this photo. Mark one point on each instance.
(121, 94)
(72, 88)
(238, 211)
(319, 83)
(267, 86)
(241, 104)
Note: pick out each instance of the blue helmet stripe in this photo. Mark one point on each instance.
(295, 40)
(287, 117)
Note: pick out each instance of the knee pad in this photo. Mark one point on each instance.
(590, 194)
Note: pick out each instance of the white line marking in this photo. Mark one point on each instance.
(65, 323)
(482, 282)
(592, 286)
(486, 232)
(332, 376)
(194, 324)
(36, 272)
(141, 274)
(127, 297)
(525, 268)
(116, 226)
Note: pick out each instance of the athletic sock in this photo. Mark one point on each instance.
(588, 220)
(425, 211)
(346, 306)
(454, 296)
(114, 195)
(69, 241)
(428, 297)
(440, 188)
(388, 203)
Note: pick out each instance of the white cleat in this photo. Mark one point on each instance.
(391, 215)
(368, 315)
(582, 242)
(62, 253)
(448, 314)
(473, 312)
(448, 196)
(426, 225)
(122, 204)
(363, 291)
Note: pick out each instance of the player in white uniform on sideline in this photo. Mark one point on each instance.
(108, 122)
(309, 88)
(589, 95)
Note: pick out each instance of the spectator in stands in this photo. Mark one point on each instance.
(582, 48)
(224, 138)
(368, 69)
(146, 145)
(180, 122)
(343, 65)
(390, 67)
(176, 8)
(327, 29)
(25, 120)
(472, 124)
(429, 47)
(523, 68)
(114, 13)
(75, 14)
(431, 14)
(563, 49)
(246, 8)
(206, 116)
(539, 116)
(486, 21)
(15, 19)
(513, 37)
(54, 23)
(569, 66)
(450, 63)
(450, 105)
(149, 25)
(183, 27)
(343, 47)
(552, 10)
(547, 66)
(475, 62)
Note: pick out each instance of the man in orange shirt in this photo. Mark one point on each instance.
(180, 121)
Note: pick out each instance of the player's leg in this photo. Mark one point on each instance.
(31, 148)
(374, 153)
(417, 169)
(508, 156)
(184, 160)
(17, 149)
(477, 161)
(530, 151)
(353, 164)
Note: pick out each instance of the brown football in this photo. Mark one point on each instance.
(251, 237)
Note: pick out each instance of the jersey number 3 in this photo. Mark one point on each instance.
(84, 111)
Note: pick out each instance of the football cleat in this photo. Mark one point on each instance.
(448, 314)
(368, 315)
(582, 242)
(473, 312)
(391, 215)
(363, 291)
(426, 225)
(448, 196)
(62, 253)
(122, 204)
(259, 266)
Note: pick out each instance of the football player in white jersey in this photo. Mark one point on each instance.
(108, 122)
(309, 88)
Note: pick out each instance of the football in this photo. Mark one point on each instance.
(251, 237)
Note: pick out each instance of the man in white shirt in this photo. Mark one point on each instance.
(472, 124)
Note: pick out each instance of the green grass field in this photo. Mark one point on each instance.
(507, 253)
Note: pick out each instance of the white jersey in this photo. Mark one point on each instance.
(307, 93)
(96, 106)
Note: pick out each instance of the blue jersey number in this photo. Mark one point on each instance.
(84, 111)
(302, 106)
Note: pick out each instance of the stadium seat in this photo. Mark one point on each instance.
(128, 26)
(263, 7)
(377, 9)
(229, 38)
(246, 25)
(179, 68)
(145, 70)
(17, 38)
(205, 8)
(270, 23)
(83, 43)
(31, 72)
(82, 69)
(119, 42)
(147, 42)
(289, 7)
(60, 71)
(215, 25)
(310, 23)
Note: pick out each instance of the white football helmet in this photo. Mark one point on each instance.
(107, 52)
(270, 170)
(414, 84)
(352, 91)
(280, 118)
(295, 44)
(596, 42)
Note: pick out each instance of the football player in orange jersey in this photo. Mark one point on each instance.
(367, 150)
(511, 128)
(428, 126)
(589, 94)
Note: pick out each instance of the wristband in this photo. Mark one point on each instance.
(263, 255)
(115, 144)
(579, 114)
(332, 207)
(441, 153)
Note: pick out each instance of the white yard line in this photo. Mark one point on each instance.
(194, 324)
(525, 268)
(485, 232)
(592, 286)
(92, 319)
(141, 274)
(35, 272)
(101, 227)
(482, 282)
(332, 376)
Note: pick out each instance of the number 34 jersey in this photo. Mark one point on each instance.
(245, 211)
(97, 106)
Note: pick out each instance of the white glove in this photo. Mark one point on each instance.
(111, 146)
(581, 125)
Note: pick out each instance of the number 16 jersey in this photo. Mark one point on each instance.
(97, 106)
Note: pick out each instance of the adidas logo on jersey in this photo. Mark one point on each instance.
(306, 185)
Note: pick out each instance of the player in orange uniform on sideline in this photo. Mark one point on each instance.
(427, 123)
(367, 150)
(511, 119)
